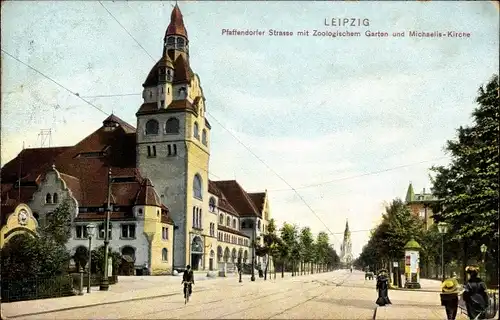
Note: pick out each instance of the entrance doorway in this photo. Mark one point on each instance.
(196, 252)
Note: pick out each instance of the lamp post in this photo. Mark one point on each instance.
(252, 278)
(90, 234)
(104, 280)
(239, 268)
(484, 248)
(443, 229)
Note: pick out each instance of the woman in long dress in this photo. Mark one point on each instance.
(475, 294)
(383, 288)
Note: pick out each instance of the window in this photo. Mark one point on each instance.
(180, 43)
(150, 94)
(228, 221)
(164, 233)
(258, 224)
(197, 191)
(101, 233)
(152, 127)
(196, 132)
(211, 204)
(172, 150)
(221, 219)
(151, 151)
(164, 254)
(55, 198)
(212, 229)
(422, 213)
(171, 41)
(81, 232)
(172, 125)
(204, 137)
(128, 231)
(219, 236)
(162, 102)
(48, 198)
(243, 225)
(234, 223)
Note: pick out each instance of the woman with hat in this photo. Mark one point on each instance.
(475, 294)
(449, 297)
(383, 288)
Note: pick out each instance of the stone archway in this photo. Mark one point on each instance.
(233, 256)
(196, 252)
(226, 254)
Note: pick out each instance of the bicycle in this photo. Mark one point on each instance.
(187, 286)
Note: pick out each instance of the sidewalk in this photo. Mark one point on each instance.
(128, 288)
(424, 303)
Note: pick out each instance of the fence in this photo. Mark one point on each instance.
(36, 288)
(492, 306)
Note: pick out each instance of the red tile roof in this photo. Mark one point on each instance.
(84, 167)
(238, 198)
(147, 195)
(258, 199)
(176, 26)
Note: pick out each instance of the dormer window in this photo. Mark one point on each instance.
(211, 204)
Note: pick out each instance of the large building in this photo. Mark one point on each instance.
(166, 213)
(420, 204)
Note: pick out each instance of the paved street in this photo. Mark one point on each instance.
(332, 295)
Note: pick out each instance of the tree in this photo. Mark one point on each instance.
(322, 245)
(468, 186)
(306, 241)
(269, 248)
(290, 250)
(58, 224)
(98, 260)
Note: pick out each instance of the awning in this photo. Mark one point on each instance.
(128, 258)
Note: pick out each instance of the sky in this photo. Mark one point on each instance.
(348, 122)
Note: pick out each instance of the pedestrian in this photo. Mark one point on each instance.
(449, 297)
(475, 294)
(383, 288)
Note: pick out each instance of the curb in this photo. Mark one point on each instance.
(415, 290)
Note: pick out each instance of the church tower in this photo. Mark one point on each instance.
(173, 138)
(346, 249)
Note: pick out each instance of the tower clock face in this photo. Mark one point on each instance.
(23, 217)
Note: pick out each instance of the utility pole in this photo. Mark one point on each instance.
(253, 250)
(105, 281)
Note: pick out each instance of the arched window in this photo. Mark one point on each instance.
(211, 204)
(196, 131)
(152, 127)
(55, 198)
(258, 224)
(197, 189)
(234, 223)
(48, 198)
(228, 221)
(172, 125)
(243, 225)
(164, 254)
(180, 43)
(221, 219)
(129, 251)
(204, 137)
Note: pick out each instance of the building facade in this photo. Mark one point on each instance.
(420, 205)
(166, 213)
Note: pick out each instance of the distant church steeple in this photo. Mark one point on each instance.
(346, 248)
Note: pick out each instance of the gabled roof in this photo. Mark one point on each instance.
(238, 198)
(258, 199)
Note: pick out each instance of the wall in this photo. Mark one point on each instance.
(116, 243)
(52, 183)
(16, 226)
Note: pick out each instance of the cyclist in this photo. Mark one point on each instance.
(188, 280)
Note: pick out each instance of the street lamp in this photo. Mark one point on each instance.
(484, 248)
(239, 267)
(252, 278)
(90, 234)
(104, 280)
(442, 228)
